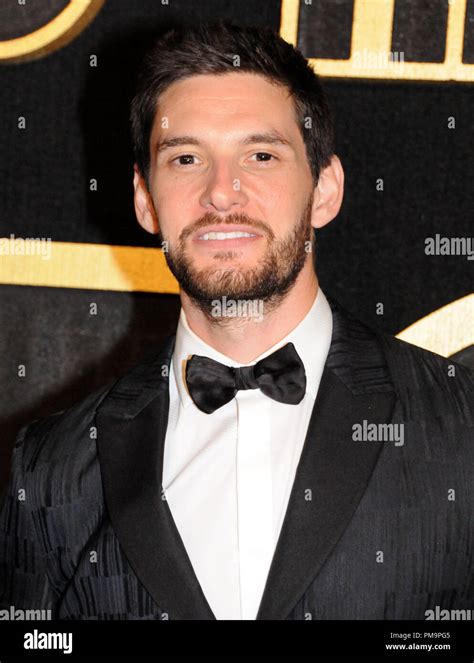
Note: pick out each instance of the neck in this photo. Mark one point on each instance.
(244, 338)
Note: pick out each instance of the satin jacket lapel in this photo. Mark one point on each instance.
(131, 429)
(333, 471)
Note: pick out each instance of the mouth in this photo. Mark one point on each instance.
(225, 237)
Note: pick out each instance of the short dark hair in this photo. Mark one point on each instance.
(211, 48)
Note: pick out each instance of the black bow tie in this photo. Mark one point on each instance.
(280, 376)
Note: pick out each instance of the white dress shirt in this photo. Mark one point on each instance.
(227, 476)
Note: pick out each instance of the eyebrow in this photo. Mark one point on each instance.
(269, 137)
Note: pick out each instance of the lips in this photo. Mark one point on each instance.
(225, 237)
(224, 233)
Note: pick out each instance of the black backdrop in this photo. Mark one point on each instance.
(77, 130)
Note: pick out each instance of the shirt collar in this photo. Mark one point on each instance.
(311, 338)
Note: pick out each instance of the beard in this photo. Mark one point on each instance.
(268, 282)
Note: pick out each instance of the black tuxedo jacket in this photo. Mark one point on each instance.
(373, 529)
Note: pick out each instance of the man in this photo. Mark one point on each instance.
(275, 459)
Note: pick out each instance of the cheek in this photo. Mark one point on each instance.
(288, 219)
(281, 211)
(173, 217)
(171, 193)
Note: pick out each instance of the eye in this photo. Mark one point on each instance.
(263, 157)
(185, 157)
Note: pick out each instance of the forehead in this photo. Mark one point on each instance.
(221, 99)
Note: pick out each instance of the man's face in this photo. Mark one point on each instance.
(227, 157)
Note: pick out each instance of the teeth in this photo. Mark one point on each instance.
(220, 235)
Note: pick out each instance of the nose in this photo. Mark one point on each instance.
(223, 191)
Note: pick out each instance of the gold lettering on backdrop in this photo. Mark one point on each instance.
(445, 331)
(371, 55)
(54, 35)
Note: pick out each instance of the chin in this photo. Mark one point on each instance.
(226, 263)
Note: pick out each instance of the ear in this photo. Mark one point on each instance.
(144, 208)
(328, 194)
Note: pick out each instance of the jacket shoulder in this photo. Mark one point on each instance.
(49, 438)
(429, 383)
